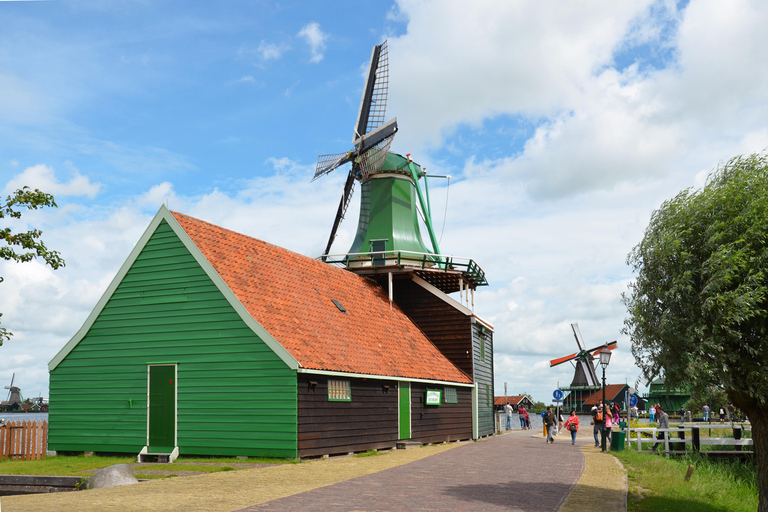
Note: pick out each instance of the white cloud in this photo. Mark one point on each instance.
(271, 51)
(44, 178)
(315, 38)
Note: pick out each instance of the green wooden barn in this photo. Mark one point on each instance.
(210, 342)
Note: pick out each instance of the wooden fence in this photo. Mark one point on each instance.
(677, 444)
(21, 440)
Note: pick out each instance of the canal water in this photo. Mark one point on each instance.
(23, 416)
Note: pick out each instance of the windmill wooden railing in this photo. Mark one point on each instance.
(472, 273)
(21, 440)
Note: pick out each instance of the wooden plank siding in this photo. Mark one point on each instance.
(448, 328)
(440, 423)
(483, 378)
(234, 395)
(370, 420)
(367, 422)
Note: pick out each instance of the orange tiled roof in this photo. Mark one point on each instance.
(612, 392)
(290, 295)
(502, 400)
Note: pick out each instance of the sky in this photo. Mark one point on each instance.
(563, 126)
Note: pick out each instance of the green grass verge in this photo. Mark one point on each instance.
(656, 484)
(65, 465)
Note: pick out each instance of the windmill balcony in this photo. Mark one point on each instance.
(448, 273)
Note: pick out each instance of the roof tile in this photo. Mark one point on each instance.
(291, 296)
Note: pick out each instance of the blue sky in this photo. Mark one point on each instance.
(563, 127)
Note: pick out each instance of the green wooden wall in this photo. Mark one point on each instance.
(483, 376)
(235, 396)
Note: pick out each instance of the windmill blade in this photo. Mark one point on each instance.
(375, 137)
(373, 105)
(349, 187)
(327, 163)
(374, 157)
(606, 346)
(561, 360)
(577, 335)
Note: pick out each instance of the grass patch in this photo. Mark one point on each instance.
(61, 465)
(148, 476)
(76, 465)
(656, 484)
(369, 453)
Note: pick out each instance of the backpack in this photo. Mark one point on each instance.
(599, 415)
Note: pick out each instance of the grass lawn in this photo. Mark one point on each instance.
(656, 483)
(64, 465)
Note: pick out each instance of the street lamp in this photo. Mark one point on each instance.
(605, 358)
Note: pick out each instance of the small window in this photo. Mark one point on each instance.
(450, 396)
(339, 391)
(482, 348)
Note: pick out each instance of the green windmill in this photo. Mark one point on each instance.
(388, 237)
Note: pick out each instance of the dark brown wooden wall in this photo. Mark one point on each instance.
(449, 329)
(368, 422)
(440, 423)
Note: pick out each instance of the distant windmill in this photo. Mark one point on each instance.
(14, 395)
(585, 376)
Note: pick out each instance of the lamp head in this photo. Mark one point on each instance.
(605, 358)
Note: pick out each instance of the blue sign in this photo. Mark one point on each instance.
(632, 400)
(558, 394)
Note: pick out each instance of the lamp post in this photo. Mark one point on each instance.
(605, 358)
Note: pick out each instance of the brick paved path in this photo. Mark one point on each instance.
(513, 472)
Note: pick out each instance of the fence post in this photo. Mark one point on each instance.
(737, 436)
(695, 439)
(44, 444)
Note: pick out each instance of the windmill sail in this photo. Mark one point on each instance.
(373, 104)
(372, 136)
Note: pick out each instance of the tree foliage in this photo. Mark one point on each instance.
(698, 309)
(699, 305)
(22, 245)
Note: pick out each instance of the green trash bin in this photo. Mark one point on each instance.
(617, 440)
(622, 425)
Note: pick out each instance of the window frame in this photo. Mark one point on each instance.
(339, 390)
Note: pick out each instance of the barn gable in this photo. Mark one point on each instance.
(164, 308)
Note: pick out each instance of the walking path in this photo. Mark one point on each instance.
(517, 471)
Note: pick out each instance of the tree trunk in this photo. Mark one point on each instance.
(758, 417)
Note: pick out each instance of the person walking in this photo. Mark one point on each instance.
(522, 413)
(527, 421)
(663, 423)
(550, 420)
(572, 425)
(721, 412)
(608, 415)
(597, 422)
(705, 412)
(731, 410)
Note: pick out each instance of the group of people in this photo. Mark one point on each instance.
(550, 419)
(522, 413)
(604, 416)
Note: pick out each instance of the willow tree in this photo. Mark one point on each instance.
(698, 308)
(24, 244)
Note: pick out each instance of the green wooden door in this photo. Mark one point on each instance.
(162, 408)
(404, 406)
